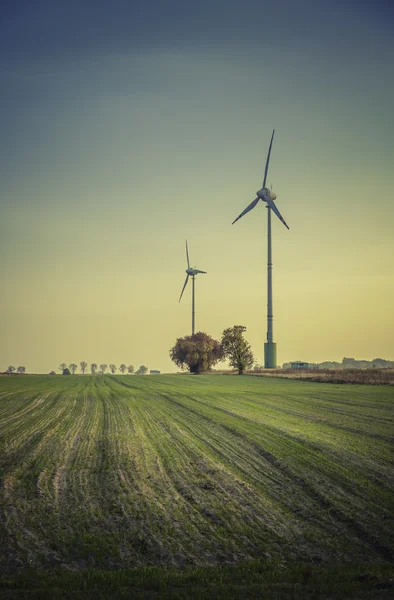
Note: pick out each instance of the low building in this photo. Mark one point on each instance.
(154, 372)
(299, 365)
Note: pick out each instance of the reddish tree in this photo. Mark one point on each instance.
(198, 352)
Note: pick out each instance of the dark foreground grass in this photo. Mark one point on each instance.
(252, 579)
(195, 487)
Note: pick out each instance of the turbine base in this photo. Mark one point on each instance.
(269, 355)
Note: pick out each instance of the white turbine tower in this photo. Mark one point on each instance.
(268, 196)
(190, 273)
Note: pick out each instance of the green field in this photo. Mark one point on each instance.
(109, 473)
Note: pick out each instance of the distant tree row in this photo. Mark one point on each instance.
(11, 369)
(94, 368)
(350, 363)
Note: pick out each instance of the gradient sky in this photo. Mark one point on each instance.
(128, 127)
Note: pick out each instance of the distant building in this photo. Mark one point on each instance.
(154, 372)
(299, 365)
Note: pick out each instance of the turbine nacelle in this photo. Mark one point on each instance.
(191, 271)
(265, 193)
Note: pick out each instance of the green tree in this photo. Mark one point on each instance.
(103, 368)
(62, 366)
(73, 367)
(83, 364)
(130, 369)
(21, 369)
(112, 369)
(11, 369)
(66, 371)
(236, 349)
(93, 368)
(122, 369)
(198, 352)
(142, 370)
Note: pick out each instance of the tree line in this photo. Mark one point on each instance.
(95, 368)
(198, 352)
(12, 369)
(349, 363)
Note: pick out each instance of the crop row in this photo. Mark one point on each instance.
(122, 471)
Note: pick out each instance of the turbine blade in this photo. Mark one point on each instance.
(268, 160)
(187, 256)
(272, 205)
(197, 271)
(184, 285)
(247, 209)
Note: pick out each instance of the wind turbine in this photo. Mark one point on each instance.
(190, 273)
(267, 196)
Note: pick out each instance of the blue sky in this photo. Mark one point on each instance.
(127, 127)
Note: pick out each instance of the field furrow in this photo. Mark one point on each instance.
(118, 471)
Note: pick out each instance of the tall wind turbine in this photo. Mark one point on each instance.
(266, 195)
(190, 273)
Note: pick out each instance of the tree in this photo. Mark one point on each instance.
(349, 363)
(21, 369)
(112, 369)
(52, 373)
(130, 369)
(103, 368)
(198, 352)
(122, 369)
(93, 368)
(66, 371)
(83, 366)
(11, 369)
(142, 370)
(236, 349)
(73, 367)
(62, 366)
(380, 363)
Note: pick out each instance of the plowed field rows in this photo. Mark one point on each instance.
(112, 472)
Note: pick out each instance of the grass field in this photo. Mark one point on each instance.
(112, 473)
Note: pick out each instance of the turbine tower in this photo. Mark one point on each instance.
(190, 273)
(266, 195)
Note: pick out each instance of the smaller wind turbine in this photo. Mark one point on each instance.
(190, 273)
